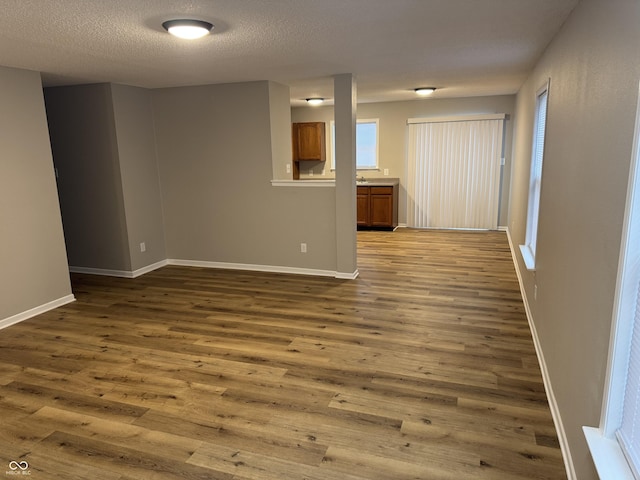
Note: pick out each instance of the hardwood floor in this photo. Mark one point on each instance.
(422, 368)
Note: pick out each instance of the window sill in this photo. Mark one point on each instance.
(607, 455)
(528, 257)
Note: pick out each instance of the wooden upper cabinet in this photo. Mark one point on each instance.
(308, 141)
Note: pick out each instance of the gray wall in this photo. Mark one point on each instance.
(393, 135)
(133, 116)
(33, 260)
(594, 67)
(215, 146)
(85, 152)
(104, 148)
(280, 113)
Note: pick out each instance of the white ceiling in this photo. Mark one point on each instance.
(462, 47)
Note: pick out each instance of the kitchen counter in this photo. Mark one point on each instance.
(377, 200)
(378, 182)
(330, 182)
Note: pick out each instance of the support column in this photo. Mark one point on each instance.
(344, 87)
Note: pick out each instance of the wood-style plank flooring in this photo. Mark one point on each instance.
(422, 368)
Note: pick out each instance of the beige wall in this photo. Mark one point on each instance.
(393, 135)
(33, 260)
(594, 68)
(215, 157)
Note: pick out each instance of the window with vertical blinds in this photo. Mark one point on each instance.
(535, 181)
(615, 444)
(629, 432)
(453, 172)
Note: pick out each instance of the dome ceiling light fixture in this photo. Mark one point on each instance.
(188, 29)
(315, 101)
(424, 91)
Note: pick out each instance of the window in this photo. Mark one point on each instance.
(535, 183)
(453, 171)
(366, 144)
(615, 445)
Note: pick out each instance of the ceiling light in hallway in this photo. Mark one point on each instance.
(188, 29)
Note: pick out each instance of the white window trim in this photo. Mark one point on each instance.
(331, 148)
(528, 250)
(528, 256)
(607, 453)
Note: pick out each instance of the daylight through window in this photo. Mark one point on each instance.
(366, 144)
(535, 184)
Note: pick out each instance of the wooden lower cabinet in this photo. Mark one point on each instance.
(377, 206)
(363, 206)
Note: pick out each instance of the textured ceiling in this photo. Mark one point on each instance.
(463, 47)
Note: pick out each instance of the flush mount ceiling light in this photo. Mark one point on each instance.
(424, 91)
(188, 29)
(315, 101)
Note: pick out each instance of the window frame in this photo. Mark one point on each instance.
(528, 250)
(332, 142)
(607, 452)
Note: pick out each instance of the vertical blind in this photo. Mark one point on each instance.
(629, 432)
(454, 172)
(535, 185)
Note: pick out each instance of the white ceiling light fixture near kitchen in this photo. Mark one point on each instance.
(188, 29)
(315, 101)
(424, 91)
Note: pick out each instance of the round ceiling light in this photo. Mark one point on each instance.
(315, 101)
(188, 29)
(424, 91)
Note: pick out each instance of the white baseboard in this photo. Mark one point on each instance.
(119, 273)
(553, 404)
(20, 317)
(150, 268)
(220, 265)
(347, 276)
(262, 268)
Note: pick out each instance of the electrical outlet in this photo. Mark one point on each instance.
(303, 248)
(288, 168)
(143, 247)
(310, 172)
(386, 171)
(323, 173)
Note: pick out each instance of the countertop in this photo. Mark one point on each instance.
(331, 182)
(379, 181)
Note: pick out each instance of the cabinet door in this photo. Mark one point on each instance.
(381, 207)
(363, 206)
(309, 141)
